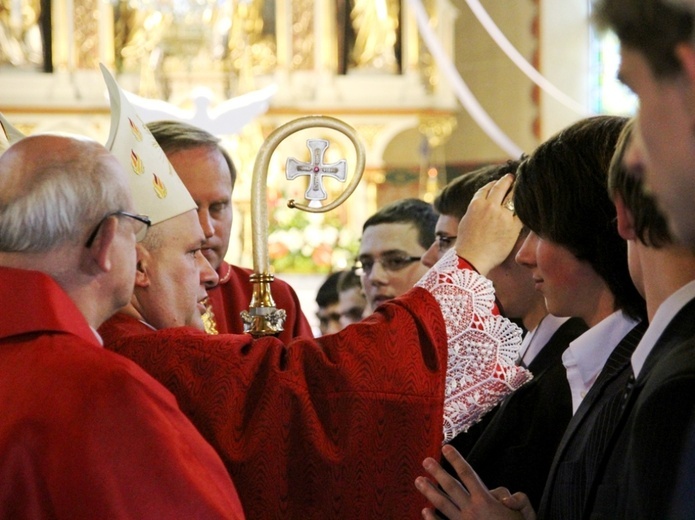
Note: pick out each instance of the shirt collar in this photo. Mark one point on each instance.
(538, 338)
(97, 336)
(586, 355)
(662, 317)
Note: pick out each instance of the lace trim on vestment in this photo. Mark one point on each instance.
(483, 347)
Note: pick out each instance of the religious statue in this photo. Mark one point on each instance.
(377, 35)
(20, 34)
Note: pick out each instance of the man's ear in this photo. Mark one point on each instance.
(102, 247)
(626, 221)
(144, 260)
(685, 53)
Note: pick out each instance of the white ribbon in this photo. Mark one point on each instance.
(501, 40)
(461, 90)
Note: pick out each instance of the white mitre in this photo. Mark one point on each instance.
(10, 132)
(158, 192)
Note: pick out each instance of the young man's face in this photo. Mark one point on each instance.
(663, 147)
(445, 233)
(329, 318)
(514, 286)
(396, 246)
(570, 286)
(206, 175)
(351, 305)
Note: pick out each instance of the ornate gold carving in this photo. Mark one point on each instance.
(302, 35)
(437, 129)
(20, 35)
(87, 34)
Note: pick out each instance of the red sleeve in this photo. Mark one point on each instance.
(332, 428)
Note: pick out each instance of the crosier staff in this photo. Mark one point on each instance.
(263, 318)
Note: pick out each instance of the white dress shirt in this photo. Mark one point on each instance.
(587, 354)
(536, 339)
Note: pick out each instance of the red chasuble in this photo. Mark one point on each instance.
(233, 295)
(330, 428)
(85, 433)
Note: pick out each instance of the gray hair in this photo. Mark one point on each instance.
(66, 197)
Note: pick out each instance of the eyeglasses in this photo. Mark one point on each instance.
(141, 224)
(391, 262)
(444, 242)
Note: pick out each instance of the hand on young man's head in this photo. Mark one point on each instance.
(489, 229)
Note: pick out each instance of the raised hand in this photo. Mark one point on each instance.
(489, 229)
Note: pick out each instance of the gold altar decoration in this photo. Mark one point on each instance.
(263, 318)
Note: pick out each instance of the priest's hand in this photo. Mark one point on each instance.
(468, 499)
(488, 231)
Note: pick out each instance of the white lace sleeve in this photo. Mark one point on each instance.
(483, 347)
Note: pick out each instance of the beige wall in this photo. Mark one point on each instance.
(565, 59)
(502, 89)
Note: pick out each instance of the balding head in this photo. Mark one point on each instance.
(59, 198)
(53, 189)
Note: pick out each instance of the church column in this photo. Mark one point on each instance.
(283, 30)
(436, 131)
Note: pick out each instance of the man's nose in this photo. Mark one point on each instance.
(378, 274)
(208, 276)
(431, 255)
(206, 223)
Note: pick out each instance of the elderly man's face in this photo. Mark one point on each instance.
(663, 146)
(176, 274)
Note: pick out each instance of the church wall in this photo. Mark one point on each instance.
(500, 87)
(553, 35)
(565, 58)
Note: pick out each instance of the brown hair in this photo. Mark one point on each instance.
(652, 27)
(651, 226)
(455, 197)
(561, 194)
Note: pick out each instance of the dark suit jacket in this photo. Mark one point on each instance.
(639, 471)
(517, 446)
(684, 498)
(574, 465)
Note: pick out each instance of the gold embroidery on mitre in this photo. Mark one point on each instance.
(159, 188)
(136, 131)
(136, 163)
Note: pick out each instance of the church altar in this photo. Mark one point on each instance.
(361, 61)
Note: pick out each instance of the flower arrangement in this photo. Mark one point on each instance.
(300, 242)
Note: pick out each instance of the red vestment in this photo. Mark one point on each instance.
(86, 433)
(338, 427)
(233, 295)
(335, 427)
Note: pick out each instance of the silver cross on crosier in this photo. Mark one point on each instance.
(316, 170)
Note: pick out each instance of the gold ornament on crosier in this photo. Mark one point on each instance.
(208, 318)
(263, 318)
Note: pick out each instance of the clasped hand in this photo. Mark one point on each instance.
(469, 498)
